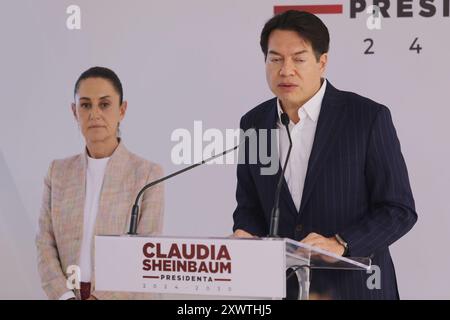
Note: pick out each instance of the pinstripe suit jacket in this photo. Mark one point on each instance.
(356, 185)
(61, 219)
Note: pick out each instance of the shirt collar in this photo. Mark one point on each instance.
(312, 107)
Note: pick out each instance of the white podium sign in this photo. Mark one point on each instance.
(210, 266)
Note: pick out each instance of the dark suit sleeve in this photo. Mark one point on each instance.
(391, 210)
(248, 215)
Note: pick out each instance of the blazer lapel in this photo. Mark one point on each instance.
(112, 186)
(111, 220)
(330, 123)
(78, 181)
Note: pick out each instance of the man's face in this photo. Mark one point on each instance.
(292, 70)
(98, 110)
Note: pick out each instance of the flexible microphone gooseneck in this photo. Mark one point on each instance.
(275, 214)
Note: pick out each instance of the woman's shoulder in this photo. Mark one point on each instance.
(67, 162)
(63, 169)
(139, 163)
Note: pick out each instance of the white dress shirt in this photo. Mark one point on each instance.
(94, 180)
(302, 135)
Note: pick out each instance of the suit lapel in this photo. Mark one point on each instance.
(269, 122)
(330, 123)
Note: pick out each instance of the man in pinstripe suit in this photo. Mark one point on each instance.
(346, 188)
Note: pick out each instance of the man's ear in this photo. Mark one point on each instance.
(323, 62)
(74, 111)
(123, 109)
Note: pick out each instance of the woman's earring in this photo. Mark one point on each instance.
(118, 130)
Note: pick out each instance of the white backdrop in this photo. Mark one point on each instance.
(182, 61)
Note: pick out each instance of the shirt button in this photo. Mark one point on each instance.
(299, 228)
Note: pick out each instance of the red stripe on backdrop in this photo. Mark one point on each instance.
(316, 9)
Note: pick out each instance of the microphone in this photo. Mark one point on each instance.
(135, 209)
(275, 214)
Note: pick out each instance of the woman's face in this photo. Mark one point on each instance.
(98, 110)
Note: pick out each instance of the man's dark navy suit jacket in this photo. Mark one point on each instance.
(356, 185)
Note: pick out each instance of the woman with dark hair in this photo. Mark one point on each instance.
(92, 193)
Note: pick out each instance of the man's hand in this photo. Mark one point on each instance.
(239, 233)
(91, 297)
(329, 244)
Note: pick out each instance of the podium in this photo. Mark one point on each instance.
(222, 267)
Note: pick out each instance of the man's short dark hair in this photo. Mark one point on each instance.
(307, 25)
(104, 73)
